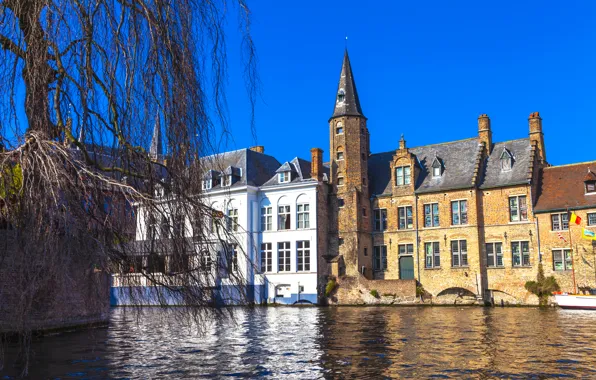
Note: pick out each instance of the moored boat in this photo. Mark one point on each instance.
(576, 301)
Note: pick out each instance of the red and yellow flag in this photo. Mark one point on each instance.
(575, 219)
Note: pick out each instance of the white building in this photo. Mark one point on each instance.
(271, 210)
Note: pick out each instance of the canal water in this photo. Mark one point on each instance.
(344, 342)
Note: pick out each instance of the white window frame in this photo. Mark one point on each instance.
(591, 219)
(303, 215)
(408, 221)
(435, 220)
(232, 219)
(518, 209)
(380, 216)
(266, 218)
(283, 214)
(522, 256)
(401, 177)
(285, 177)
(495, 255)
(266, 257)
(303, 256)
(284, 257)
(339, 155)
(436, 171)
(592, 183)
(564, 258)
(227, 180)
(558, 220)
(207, 184)
(459, 213)
(459, 253)
(435, 254)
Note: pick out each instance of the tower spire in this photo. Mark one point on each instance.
(156, 150)
(347, 102)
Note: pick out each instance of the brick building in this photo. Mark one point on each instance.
(459, 217)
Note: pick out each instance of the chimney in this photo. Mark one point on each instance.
(258, 149)
(485, 134)
(536, 135)
(316, 165)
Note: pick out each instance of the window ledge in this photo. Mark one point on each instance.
(433, 268)
(520, 222)
(562, 271)
(521, 266)
(431, 228)
(459, 225)
(553, 231)
(499, 267)
(461, 267)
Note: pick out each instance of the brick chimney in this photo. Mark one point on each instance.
(258, 149)
(485, 134)
(536, 135)
(316, 165)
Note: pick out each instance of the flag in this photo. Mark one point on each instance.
(561, 237)
(588, 234)
(575, 219)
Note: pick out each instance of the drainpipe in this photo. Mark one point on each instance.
(417, 238)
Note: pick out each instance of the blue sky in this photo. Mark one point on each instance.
(424, 69)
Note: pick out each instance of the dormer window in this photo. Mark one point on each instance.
(227, 180)
(341, 96)
(284, 177)
(207, 184)
(339, 129)
(437, 167)
(590, 187)
(402, 175)
(506, 160)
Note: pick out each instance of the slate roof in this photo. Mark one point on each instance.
(351, 104)
(255, 168)
(300, 172)
(493, 176)
(458, 159)
(563, 187)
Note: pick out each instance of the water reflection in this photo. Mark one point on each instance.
(347, 342)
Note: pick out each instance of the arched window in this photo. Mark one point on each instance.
(266, 215)
(341, 95)
(232, 216)
(339, 155)
(283, 214)
(303, 212)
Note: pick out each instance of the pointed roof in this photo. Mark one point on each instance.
(156, 141)
(348, 104)
(591, 176)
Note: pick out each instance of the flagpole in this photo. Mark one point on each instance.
(571, 244)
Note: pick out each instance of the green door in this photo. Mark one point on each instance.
(406, 268)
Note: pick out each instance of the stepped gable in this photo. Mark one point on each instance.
(494, 176)
(457, 157)
(564, 187)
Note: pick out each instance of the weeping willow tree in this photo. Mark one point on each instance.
(84, 86)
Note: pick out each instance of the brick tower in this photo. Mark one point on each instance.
(350, 236)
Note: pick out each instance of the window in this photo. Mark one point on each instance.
(340, 181)
(266, 258)
(592, 219)
(283, 256)
(303, 215)
(303, 253)
(380, 219)
(560, 222)
(437, 167)
(520, 251)
(205, 261)
(590, 186)
(365, 251)
(179, 263)
(459, 213)
(233, 258)
(164, 228)
(363, 212)
(405, 218)
(380, 258)
(459, 253)
(431, 215)
(284, 177)
(283, 219)
(562, 259)
(402, 175)
(506, 160)
(494, 254)
(233, 219)
(518, 209)
(228, 180)
(341, 96)
(156, 263)
(266, 218)
(405, 249)
(207, 184)
(339, 129)
(432, 255)
(340, 153)
(340, 202)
